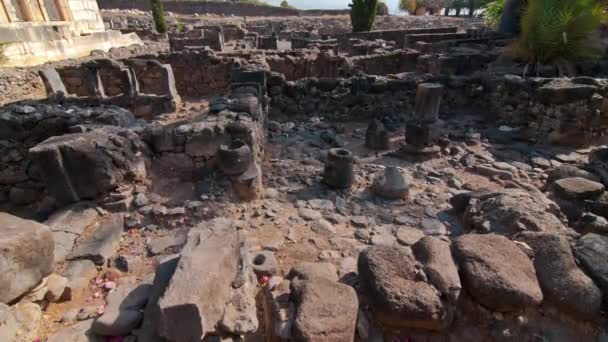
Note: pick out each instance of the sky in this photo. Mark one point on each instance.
(328, 4)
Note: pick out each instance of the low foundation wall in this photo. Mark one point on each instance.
(558, 111)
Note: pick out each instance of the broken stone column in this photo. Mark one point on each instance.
(338, 172)
(88, 165)
(376, 136)
(428, 100)
(423, 130)
(234, 159)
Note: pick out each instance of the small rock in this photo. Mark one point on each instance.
(577, 188)
(309, 214)
(57, 289)
(392, 184)
(433, 227)
(409, 235)
(323, 227)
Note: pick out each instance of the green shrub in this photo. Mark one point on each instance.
(554, 31)
(362, 14)
(286, 4)
(160, 22)
(493, 12)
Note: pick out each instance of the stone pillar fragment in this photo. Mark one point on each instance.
(338, 172)
(428, 100)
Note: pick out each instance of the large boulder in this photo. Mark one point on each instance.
(496, 272)
(326, 310)
(435, 255)
(83, 166)
(193, 304)
(592, 252)
(399, 293)
(577, 188)
(569, 171)
(562, 282)
(26, 257)
(511, 211)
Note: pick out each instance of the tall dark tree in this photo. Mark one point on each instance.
(159, 16)
(362, 14)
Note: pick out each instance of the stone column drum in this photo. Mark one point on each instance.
(338, 171)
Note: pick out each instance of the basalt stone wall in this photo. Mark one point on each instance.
(571, 112)
(18, 84)
(190, 150)
(200, 73)
(22, 188)
(310, 65)
(397, 36)
(393, 62)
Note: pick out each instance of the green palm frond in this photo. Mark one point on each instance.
(554, 30)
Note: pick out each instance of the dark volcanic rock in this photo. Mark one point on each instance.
(326, 310)
(497, 273)
(562, 282)
(87, 165)
(398, 290)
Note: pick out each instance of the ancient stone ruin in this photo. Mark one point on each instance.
(281, 178)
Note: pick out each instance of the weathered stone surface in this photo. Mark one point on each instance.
(376, 136)
(392, 184)
(27, 255)
(8, 323)
(313, 270)
(496, 273)
(68, 224)
(159, 245)
(577, 188)
(29, 319)
(562, 282)
(87, 165)
(79, 272)
(240, 316)
(396, 285)
(210, 260)
(326, 310)
(57, 288)
(100, 246)
(263, 263)
(409, 235)
(435, 255)
(80, 332)
(123, 310)
(569, 171)
(511, 211)
(164, 272)
(592, 251)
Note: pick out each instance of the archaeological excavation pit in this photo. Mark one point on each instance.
(273, 176)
